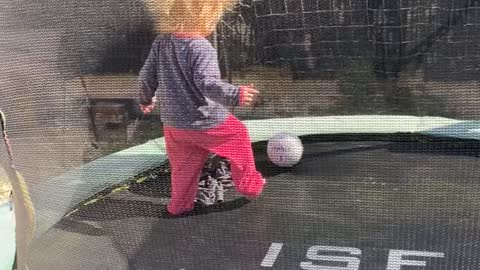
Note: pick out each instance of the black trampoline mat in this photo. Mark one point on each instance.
(348, 205)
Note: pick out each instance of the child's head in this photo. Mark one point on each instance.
(198, 17)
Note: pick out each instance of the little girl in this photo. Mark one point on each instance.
(182, 73)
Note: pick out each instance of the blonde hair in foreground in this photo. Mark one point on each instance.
(188, 16)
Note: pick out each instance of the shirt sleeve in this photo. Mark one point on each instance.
(148, 80)
(207, 77)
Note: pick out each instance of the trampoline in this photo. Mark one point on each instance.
(383, 94)
(355, 201)
(7, 237)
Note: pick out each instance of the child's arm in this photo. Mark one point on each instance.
(204, 63)
(148, 81)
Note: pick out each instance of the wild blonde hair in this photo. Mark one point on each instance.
(188, 16)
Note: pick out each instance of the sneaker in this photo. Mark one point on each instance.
(214, 181)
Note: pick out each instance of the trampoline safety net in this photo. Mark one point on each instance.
(384, 96)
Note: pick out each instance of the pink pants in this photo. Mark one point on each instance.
(189, 149)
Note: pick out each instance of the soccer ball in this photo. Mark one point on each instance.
(284, 150)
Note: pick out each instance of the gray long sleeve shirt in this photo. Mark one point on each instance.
(183, 74)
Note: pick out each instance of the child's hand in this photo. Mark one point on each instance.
(146, 109)
(248, 95)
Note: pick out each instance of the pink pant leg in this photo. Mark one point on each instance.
(186, 160)
(188, 150)
(231, 141)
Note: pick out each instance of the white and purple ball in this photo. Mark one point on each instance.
(284, 150)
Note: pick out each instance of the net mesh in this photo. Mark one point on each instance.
(88, 168)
